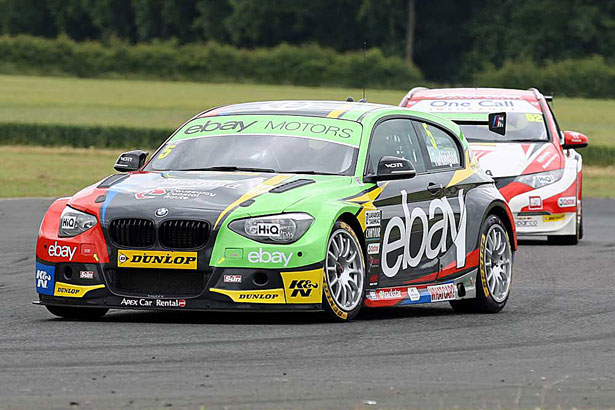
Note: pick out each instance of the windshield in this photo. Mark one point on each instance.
(255, 152)
(520, 127)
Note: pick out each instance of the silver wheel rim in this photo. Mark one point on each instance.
(497, 263)
(344, 270)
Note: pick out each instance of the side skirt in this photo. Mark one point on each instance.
(463, 287)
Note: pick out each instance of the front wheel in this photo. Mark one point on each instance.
(77, 313)
(495, 270)
(344, 278)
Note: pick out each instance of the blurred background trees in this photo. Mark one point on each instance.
(449, 40)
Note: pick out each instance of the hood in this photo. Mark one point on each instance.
(211, 196)
(513, 159)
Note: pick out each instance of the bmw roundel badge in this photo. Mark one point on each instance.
(162, 212)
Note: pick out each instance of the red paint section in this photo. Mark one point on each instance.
(513, 189)
(475, 93)
(548, 159)
(387, 297)
(87, 247)
(451, 269)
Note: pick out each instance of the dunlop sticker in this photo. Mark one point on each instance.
(156, 259)
(553, 218)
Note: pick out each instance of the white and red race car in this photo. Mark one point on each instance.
(534, 163)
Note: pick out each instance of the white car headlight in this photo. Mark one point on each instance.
(74, 222)
(541, 179)
(282, 228)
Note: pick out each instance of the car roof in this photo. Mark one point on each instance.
(354, 111)
(472, 93)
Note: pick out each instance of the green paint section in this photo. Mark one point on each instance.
(322, 200)
(330, 129)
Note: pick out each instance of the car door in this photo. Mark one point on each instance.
(447, 210)
(397, 235)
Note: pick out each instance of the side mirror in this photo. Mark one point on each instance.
(390, 168)
(574, 140)
(130, 161)
(497, 123)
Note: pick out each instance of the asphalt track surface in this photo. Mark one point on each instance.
(553, 346)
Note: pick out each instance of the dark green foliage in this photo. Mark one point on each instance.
(80, 136)
(589, 77)
(128, 137)
(284, 64)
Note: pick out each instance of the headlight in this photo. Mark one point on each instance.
(541, 179)
(73, 222)
(282, 228)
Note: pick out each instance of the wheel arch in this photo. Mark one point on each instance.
(502, 211)
(352, 220)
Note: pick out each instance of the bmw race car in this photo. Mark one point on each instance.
(534, 163)
(291, 205)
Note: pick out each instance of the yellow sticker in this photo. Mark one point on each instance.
(303, 287)
(156, 259)
(166, 152)
(253, 296)
(73, 291)
(534, 117)
(430, 135)
(553, 218)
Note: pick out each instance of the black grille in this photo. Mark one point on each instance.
(158, 282)
(137, 233)
(183, 234)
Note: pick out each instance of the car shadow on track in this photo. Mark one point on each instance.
(261, 318)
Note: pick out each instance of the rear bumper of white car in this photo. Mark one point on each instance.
(548, 224)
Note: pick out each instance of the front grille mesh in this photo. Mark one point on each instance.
(160, 282)
(183, 234)
(138, 233)
(172, 234)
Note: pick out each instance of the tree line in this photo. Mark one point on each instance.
(449, 40)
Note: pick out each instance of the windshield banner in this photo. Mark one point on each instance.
(334, 130)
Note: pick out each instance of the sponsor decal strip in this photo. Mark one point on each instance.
(156, 259)
(410, 295)
(269, 296)
(73, 291)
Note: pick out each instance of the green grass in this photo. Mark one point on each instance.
(37, 171)
(164, 104)
(46, 171)
(152, 104)
(41, 171)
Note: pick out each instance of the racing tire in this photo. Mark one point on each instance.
(495, 270)
(77, 313)
(343, 285)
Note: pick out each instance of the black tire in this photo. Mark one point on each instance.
(332, 309)
(568, 239)
(484, 301)
(77, 313)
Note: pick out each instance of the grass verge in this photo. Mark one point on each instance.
(50, 171)
(167, 104)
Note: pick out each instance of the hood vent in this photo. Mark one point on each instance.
(291, 185)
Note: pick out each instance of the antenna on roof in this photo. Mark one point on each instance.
(364, 99)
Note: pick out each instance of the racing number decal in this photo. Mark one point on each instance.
(534, 117)
(166, 152)
(482, 265)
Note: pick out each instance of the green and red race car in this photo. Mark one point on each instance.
(287, 205)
